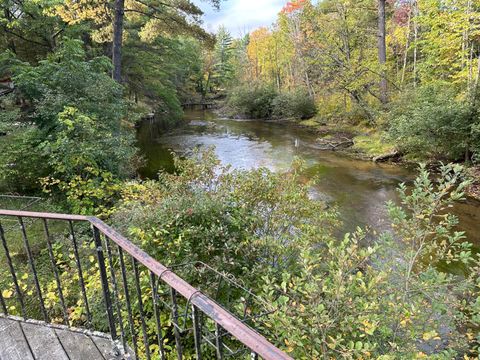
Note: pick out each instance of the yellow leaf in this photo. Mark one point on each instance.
(7, 294)
(429, 335)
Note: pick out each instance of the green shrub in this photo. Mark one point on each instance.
(263, 102)
(254, 101)
(74, 133)
(298, 104)
(349, 296)
(21, 164)
(370, 301)
(434, 121)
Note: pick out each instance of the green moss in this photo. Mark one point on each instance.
(372, 144)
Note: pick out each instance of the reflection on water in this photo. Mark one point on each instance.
(358, 188)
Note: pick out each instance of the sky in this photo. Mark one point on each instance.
(240, 16)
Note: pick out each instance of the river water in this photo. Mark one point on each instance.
(359, 189)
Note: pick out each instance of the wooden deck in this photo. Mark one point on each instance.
(33, 340)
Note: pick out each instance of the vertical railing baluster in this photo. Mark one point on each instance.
(55, 271)
(197, 332)
(176, 331)
(154, 286)
(2, 302)
(219, 341)
(32, 267)
(127, 301)
(81, 281)
(12, 272)
(140, 308)
(115, 292)
(104, 280)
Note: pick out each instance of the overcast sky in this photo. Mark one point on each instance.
(241, 16)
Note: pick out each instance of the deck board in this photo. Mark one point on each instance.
(79, 346)
(31, 340)
(41, 338)
(13, 345)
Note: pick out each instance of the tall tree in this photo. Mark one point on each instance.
(382, 50)
(118, 40)
(223, 53)
(149, 19)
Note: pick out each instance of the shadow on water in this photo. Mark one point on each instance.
(358, 188)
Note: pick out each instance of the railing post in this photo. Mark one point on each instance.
(219, 341)
(154, 285)
(81, 281)
(197, 332)
(176, 332)
(55, 272)
(2, 302)
(33, 269)
(104, 280)
(12, 272)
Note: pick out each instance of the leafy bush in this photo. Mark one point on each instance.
(370, 301)
(332, 296)
(21, 164)
(434, 121)
(298, 104)
(207, 212)
(17, 174)
(264, 102)
(68, 78)
(72, 128)
(254, 101)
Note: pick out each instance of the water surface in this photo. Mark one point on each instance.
(359, 189)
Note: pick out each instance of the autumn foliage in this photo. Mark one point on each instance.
(293, 6)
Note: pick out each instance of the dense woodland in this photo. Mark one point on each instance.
(401, 76)
(376, 64)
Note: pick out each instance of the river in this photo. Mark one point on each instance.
(359, 189)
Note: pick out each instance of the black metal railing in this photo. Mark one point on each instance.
(85, 274)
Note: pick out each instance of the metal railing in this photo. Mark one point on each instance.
(116, 287)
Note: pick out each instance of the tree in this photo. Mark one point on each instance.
(223, 55)
(27, 31)
(117, 40)
(75, 127)
(382, 49)
(148, 18)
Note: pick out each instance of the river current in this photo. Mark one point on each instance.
(359, 189)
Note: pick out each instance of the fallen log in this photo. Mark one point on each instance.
(385, 157)
(334, 144)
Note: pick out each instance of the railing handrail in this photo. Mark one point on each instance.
(242, 332)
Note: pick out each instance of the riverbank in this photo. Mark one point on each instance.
(369, 144)
(361, 143)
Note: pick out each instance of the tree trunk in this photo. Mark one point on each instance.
(11, 41)
(117, 40)
(382, 50)
(415, 37)
(407, 44)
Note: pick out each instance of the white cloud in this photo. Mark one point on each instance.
(241, 16)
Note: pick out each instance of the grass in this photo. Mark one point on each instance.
(372, 144)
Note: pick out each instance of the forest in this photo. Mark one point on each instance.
(371, 81)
